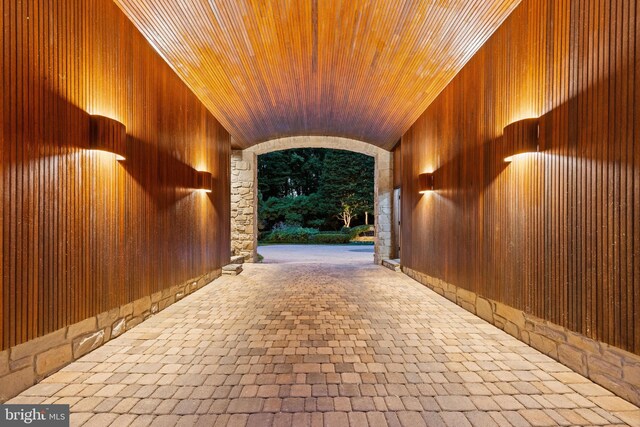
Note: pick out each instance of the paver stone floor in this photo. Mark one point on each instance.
(323, 344)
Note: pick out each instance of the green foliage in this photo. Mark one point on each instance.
(284, 233)
(308, 187)
(290, 172)
(330, 239)
(347, 180)
(291, 210)
(290, 234)
(354, 232)
(316, 223)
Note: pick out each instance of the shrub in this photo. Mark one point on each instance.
(316, 223)
(330, 239)
(264, 236)
(356, 231)
(283, 233)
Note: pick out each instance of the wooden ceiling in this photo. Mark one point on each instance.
(362, 69)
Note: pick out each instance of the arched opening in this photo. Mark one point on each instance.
(316, 205)
(244, 194)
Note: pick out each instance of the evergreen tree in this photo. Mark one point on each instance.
(290, 172)
(310, 186)
(347, 181)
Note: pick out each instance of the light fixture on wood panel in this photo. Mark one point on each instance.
(204, 181)
(522, 138)
(108, 135)
(425, 183)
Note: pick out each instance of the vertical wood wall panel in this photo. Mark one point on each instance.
(82, 232)
(554, 234)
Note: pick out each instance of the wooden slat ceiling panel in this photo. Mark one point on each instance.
(361, 69)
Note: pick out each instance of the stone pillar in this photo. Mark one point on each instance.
(382, 205)
(244, 205)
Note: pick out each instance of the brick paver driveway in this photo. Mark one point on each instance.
(318, 344)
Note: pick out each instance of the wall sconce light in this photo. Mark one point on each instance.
(522, 138)
(425, 183)
(108, 135)
(204, 181)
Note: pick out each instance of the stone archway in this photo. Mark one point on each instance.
(244, 196)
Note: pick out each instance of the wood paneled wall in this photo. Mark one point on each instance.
(556, 234)
(82, 232)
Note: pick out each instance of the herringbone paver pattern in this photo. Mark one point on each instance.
(322, 345)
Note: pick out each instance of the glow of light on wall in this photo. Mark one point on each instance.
(104, 159)
(108, 153)
(201, 165)
(521, 156)
(105, 112)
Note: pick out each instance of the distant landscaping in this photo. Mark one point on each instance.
(362, 234)
(315, 196)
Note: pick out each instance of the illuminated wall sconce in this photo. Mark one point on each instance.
(204, 181)
(108, 135)
(425, 182)
(521, 137)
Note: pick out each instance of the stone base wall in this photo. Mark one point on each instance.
(614, 369)
(28, 363)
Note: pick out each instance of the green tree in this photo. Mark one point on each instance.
(290, 172)
(347, 179)
(308, 187)
(273, 174)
